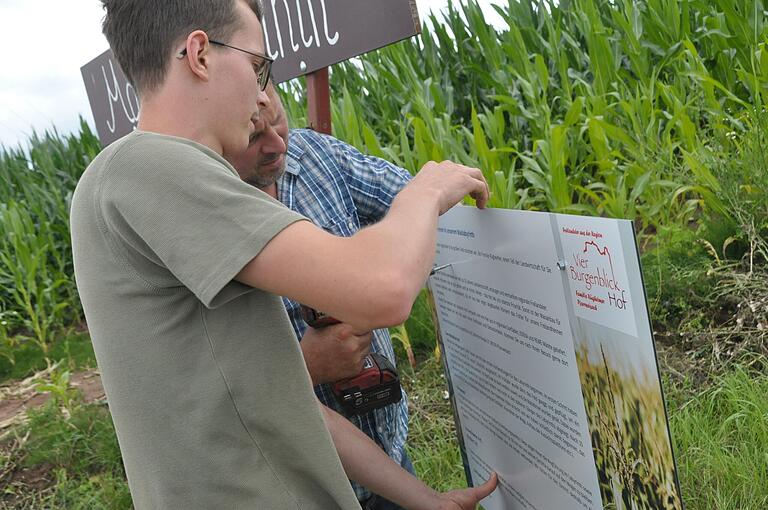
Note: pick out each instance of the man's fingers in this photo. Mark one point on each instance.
(481, 195)
(481, 192)
(467, 499)
(453, 182)
(477, 184)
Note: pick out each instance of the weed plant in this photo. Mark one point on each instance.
(707, 279)
(736, 225)
(432, 443)
(720, 437)
(74, 449)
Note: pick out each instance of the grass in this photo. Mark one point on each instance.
(76, 350)
(74, 459)
(432, 443)
(721, 437)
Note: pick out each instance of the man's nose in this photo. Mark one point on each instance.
(274, 143)
(262, 100)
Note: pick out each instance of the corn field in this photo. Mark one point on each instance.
(38, 297)
(612, 108)
(588, 106)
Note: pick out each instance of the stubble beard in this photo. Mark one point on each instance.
(263, 181)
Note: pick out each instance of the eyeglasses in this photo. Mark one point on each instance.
(263, 69)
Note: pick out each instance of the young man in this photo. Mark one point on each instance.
(179, 263)
(341, 190)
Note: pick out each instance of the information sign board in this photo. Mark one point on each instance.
(549, 354)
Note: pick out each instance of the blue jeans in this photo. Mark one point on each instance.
(376, 502)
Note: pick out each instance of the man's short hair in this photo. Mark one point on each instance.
(143, 33)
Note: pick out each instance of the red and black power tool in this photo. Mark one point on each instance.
(377, 384)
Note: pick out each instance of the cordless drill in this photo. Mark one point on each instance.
(377, 385)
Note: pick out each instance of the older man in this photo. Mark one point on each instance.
(342, 191)
(179, 265)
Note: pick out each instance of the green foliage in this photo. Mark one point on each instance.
(76, 351)
(677, 277)
(38, 296)
(78, 448)
(585, 106)
(736, 221)
(420, 326)
(105, 491)
(58, 387)
(81, 441)
(432, 443)
(718, 436)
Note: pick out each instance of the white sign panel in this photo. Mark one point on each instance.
(557, 398)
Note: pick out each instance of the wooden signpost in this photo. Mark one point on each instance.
(303, 36)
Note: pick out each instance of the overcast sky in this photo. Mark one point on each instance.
(45, 44)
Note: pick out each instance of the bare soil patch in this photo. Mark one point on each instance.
(17, 397)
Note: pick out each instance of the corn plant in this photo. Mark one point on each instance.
(586, 106)
(38, 297)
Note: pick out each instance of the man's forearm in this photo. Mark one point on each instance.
(404, 241)
(371, 279)
(365, 463)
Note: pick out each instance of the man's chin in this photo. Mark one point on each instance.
(264, 180)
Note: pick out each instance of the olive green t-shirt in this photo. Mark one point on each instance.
(206, 383)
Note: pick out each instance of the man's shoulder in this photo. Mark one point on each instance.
(311, 151)
(159, 148)
(146, 155)
(306, 139)
(146, 164)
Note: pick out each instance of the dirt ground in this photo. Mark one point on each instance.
(19, 485)
(16, 397)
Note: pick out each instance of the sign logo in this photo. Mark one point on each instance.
(597, 274)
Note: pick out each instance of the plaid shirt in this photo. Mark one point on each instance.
(342, 190)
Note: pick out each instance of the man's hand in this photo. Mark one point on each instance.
(467, 499)
(451, 182)
(334, 352)
(366, 463)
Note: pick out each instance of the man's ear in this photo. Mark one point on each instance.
(197, 54)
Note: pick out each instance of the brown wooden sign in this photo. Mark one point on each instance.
(305, 35)
(114, 102)
(301, 35)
